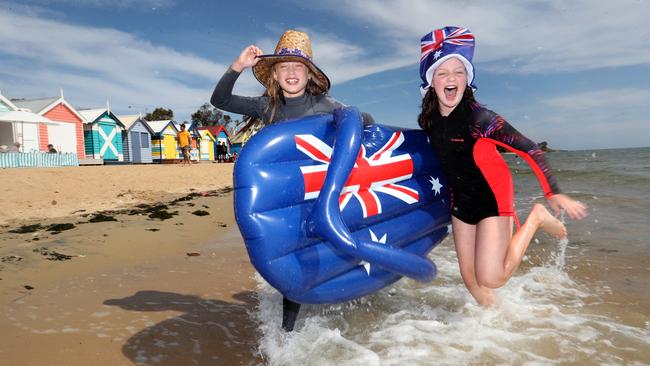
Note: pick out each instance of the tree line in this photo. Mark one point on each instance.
(206, 115)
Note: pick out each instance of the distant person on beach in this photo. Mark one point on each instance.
(15, 147)
(295, 88)
(221, 151)
(51, 149)
(184, 139)
(464, 135)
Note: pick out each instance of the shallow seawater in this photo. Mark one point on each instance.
(582, 301)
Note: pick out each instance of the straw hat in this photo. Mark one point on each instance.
(441, 44)
(292, 46)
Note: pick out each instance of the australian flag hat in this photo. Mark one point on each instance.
(441, 44)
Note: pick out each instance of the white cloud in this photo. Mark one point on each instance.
(112, 3)
(529, 36)
(100, 63)
(618, 99)
(595, 119)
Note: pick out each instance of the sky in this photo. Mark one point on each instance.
(573, 73)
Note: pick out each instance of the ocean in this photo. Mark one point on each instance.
(581, 301)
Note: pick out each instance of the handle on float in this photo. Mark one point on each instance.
(326, 220)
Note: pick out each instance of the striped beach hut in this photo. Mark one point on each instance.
(136, 139)
(206, 144)
(195, 139)
(102, 134)
(164, 145)
(66, 132)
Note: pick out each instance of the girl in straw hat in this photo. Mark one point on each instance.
(295, 86)
(464, 135)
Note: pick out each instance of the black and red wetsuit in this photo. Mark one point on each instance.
(480, 181)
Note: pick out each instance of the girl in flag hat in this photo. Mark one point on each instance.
(465, 136)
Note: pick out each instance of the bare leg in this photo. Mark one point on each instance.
(499, 254)
(464, 240)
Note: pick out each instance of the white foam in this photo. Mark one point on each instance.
(540, 318)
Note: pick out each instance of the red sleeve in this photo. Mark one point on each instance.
(495, 128)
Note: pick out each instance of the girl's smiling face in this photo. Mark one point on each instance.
(292, 77)
(449, 83)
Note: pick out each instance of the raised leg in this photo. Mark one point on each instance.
(499, 253)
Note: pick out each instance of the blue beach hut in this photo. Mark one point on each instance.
(136, 139)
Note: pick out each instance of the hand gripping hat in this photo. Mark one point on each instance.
(441, 44)
(292, 46)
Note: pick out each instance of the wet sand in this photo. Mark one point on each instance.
(144, 289)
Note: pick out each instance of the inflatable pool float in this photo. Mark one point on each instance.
(331, 210)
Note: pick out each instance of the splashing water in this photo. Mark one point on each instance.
(560, 257)
(540, 319)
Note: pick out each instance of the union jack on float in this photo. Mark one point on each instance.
(434, 40)
(288, 206)
(379, 172)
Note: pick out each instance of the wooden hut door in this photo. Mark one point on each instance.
(134, 139)
(108, 141)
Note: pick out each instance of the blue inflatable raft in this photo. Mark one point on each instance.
(331, 210)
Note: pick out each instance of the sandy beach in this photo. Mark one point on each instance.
(160, 277)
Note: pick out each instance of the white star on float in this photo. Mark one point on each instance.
(437, 54)
(435, 184)
(373, 237)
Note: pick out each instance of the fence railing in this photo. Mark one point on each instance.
(37, 159)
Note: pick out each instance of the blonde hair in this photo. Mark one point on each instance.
(274, 91)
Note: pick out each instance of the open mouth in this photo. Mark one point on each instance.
(450, 91)
(291, 81)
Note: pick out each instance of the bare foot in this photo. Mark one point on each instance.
(548, 222)
(485, 297)
(488, 301)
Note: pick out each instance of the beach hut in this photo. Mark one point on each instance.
(195, 138)
(206, 144)
(20, 125)
(66, 132)
(164, 145)
(221, 135)
(250, 127)
(11, 130)
(102, 134)
(136, 139)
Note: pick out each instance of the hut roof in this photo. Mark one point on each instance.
(159, 126)
(204, 132)
(8, 103)
(43, 105)
(128, 120)
(91, 115)
(34, 105)
(215, 130)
